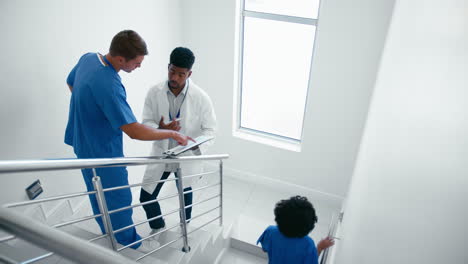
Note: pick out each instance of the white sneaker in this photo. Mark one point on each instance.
(154, 231)
(179, 228)
(148, 245)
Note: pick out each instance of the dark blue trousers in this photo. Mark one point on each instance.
(154, 209)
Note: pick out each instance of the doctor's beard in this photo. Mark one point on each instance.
(174, 85)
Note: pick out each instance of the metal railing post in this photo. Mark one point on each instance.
(101, 200)
(220, 192)
(183, 217)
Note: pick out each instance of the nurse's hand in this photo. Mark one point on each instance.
(181, 139)
(173, 125)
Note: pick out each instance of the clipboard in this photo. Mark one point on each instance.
(175, 151)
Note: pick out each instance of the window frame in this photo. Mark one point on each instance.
(251, 134)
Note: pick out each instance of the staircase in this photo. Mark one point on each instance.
(209, 244)
(206, 242)
(248, 211)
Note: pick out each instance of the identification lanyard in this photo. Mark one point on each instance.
(183, 100)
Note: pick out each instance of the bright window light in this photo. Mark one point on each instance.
(275, 76)
(298, 8)
(276, 46)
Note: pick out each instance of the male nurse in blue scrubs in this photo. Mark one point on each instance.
(99, 112)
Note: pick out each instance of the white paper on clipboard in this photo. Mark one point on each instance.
(181, 149)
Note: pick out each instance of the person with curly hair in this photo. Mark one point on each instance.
(288, 241)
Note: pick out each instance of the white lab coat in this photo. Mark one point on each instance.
(198, 118)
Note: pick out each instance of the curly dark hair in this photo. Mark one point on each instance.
(295, 217)
(182, 57)
(128, 44)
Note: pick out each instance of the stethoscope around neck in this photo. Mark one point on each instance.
(183, 100)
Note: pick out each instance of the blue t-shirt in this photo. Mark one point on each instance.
(282, 249)
(98, 108)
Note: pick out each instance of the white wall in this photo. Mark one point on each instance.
(41, 41)
(408, 197)
(349, 43)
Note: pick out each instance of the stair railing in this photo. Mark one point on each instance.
(7, 167)
(66, 245)
(332, 228)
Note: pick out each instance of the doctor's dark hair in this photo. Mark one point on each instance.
(295, 217)
(128, 44)
(182, 57)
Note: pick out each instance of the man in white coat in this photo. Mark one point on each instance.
(176, 104)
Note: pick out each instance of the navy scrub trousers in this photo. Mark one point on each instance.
(154, 209)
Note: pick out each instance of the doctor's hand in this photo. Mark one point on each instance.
(173, 125)
(181, 138)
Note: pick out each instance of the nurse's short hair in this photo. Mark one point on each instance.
(128, 44)
(182, 57)
(295, 216)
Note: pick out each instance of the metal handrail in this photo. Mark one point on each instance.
(146, 221)
(204, 213)
(6, 238)
(145, 238)
(79, 220)
(54, 198)
(68, 164)
(135, 185)
(202, 201)
(331, 233)
(50, 254)
(202, 188)
(15, 166)
(66, 245)
(98, 237)
(156, 249)
(152, 182)
(140, 204)
(176, 239)
(183, 217)
(200, 174)
(165, 245)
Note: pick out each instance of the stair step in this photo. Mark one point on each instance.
(172, 253)
(248, 248)
(234, 256)
(208, 241)
(245, 234)
(165, 255)
(198, 240)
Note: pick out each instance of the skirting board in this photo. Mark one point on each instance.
(269, 182)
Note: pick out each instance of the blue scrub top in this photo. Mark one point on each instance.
(98, 108)
(282, 249)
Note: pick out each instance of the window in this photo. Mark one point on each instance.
(276, 45)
